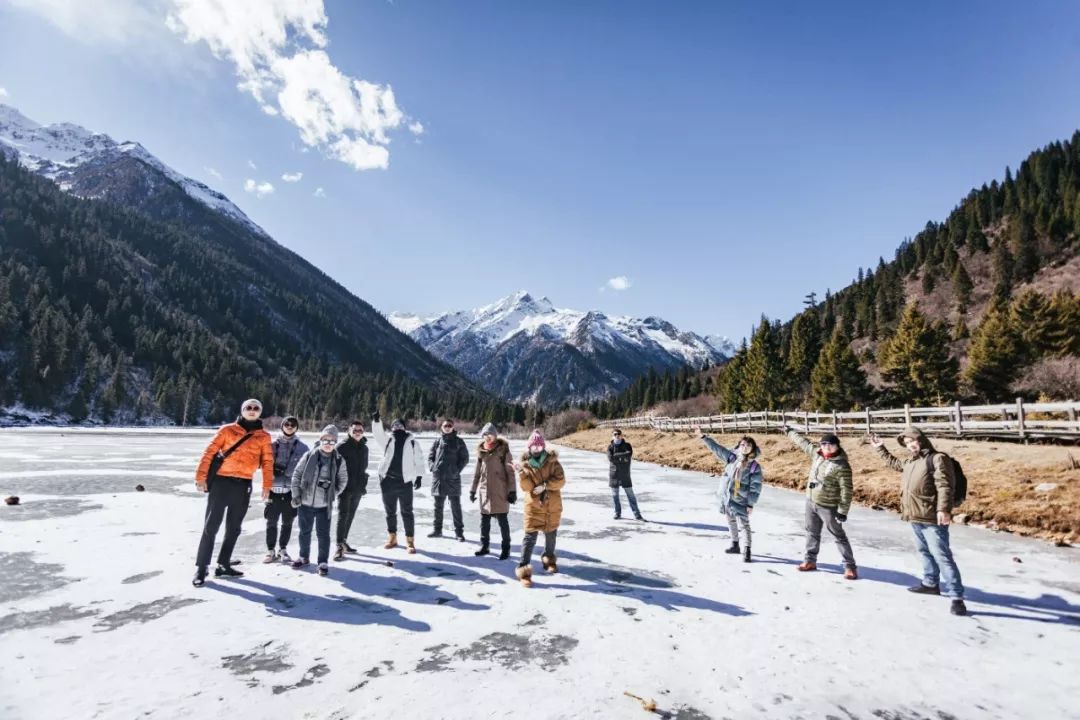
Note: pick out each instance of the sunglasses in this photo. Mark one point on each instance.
(252, 408)
(328, 442)
(447, 427)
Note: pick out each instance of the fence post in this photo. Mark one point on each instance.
(959, 419)
(868, 420)
(766, 421)
(1020, 417)
(1072, 414)
(907, 414)
(835, 427)
(721, 424)
(806, 422)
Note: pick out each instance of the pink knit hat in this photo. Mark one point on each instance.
(537, 439)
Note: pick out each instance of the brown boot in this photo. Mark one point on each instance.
(524, 574)
(807, 566)
(548, 562)
(850, 573)
(410, 543)
(391, 542)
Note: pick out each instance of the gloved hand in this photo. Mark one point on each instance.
(416, 485)
(512, 497)
(472, 497)
(375, 416)
(296, 502)
(841, 517)
(539, 489)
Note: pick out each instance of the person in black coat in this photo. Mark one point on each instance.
(355, 452)
(447, 458)
(620, 453)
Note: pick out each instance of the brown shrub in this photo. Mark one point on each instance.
(568, 421)
(1051, 378)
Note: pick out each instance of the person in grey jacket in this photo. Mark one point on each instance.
(620, 454)
(287, 449)
(319, 478)
(740, 488)
(446, 459)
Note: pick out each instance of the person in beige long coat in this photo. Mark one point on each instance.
(494, 481)
(542, 479)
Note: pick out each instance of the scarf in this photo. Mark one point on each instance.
(536, 461)
(249, 425)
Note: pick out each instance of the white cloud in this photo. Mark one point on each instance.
(3, 92)
(212, 171)
(416, 127)
(278, 50)
(252, 165)
(292, 177)
(260, 190)
(114, 22)
(618, 283)
(319, 193)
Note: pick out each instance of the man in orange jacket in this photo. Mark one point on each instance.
(241, 448)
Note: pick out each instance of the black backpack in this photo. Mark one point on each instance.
(959, 479)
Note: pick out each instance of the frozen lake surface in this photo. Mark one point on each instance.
(98, 618)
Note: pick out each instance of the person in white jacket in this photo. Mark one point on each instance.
(401, 471)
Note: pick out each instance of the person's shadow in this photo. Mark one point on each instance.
(285, 603)
(419, 568)
(692, 526)
(399, 588)
(1045, 608)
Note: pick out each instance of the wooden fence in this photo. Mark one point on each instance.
(1007, 421)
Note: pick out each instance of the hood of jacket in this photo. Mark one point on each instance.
(913, 432)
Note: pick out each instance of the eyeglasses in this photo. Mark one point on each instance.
(289, 425)
(252, 408)
(447, 427)
(328, 442)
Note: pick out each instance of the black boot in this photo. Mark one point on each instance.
(200, 577)
(484, 550)
(958, 607)
(505, 551)
(746, 554)
(734, 549)
(435, 533)
(227, 571)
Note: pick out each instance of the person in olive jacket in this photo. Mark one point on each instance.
(355, 453)
(926, 494)
(447, 458)
(828, 498)
(620, 453)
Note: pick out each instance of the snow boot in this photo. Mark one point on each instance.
(958, 607)
(271, 556)
(807, 566)
(850, 573)
(200, 577)
(339, 555)
(638, 517)
(618, 517)
(484, 550)
(324, 569)
(505, 554)
(349, 548)
(548, 561)
(227, 571)
(460, 537)
(734, 549)
(410, 543)
(921, 589)
(435, 534)
(391, 542)
(746, 554)
(299, 563)
(524, 574)
(285, 558)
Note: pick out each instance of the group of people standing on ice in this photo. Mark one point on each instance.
(927, 492)
(304, 482)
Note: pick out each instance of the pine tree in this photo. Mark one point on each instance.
(916, 360)
(837, 381)
(763, 375)
(1003, 272)
(993, 356)
(962, 287)
(803, 350)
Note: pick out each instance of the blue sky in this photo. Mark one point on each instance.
(725, 158)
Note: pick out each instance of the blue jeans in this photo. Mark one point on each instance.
(932, 542)
(629, 496)
(320, 518)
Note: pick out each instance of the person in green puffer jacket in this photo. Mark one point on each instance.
(926, 495)
(828, 498)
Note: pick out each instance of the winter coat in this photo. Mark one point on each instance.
(447, 458)
(829, 482)
(926, 480)
(542, 512)
(493, 478)
(619, 457)
(254, 454)
(412, 457)
(287, 452)
(741, 482)
(303, 479)
(355, 454)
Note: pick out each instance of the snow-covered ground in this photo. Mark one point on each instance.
(98, 618)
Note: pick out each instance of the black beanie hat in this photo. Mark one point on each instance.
(830, 438)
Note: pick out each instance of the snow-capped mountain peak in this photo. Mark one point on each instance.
(519, 345)
(65, 153)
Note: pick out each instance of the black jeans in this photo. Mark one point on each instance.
(504, 529)
(455, 510)
(395, 492)
(348, 501)
(279, 506)
(320, 518)
(228, 498)
(529, 543)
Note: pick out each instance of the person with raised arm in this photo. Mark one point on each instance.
(401, 471)
(740, 488)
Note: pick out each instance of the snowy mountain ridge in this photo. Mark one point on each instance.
(570, 355)
(65, 152)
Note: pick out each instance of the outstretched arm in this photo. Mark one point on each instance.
(721, 452)
(800, 442)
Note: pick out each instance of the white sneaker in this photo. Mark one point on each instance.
(284, 555)
(271, 556)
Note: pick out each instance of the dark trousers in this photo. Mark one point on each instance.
(529, 543)
(817, 517)
(504, 529)
(228, 499)
(320, 518)
(455, 510)
(348, 501)
(394, 493)
(279, 506)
